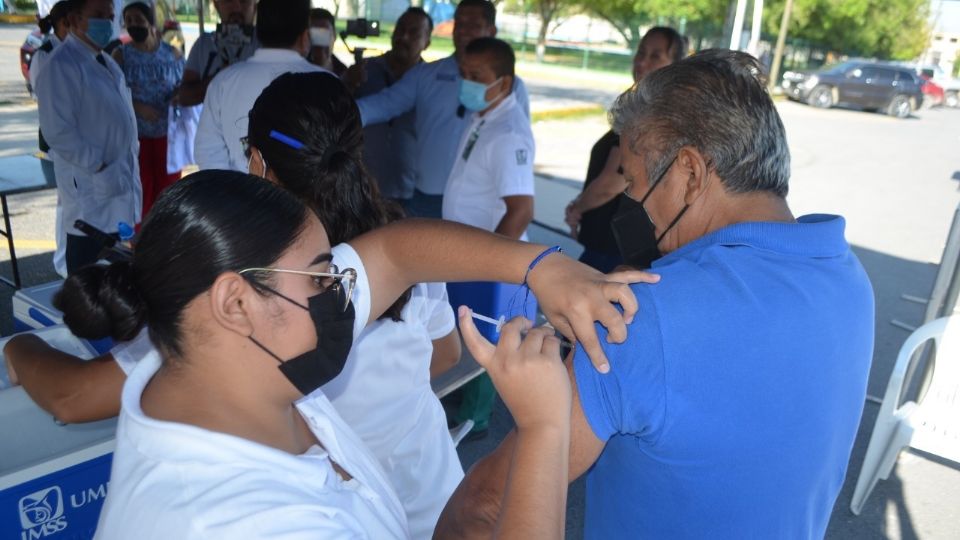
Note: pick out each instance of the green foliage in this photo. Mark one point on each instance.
(894, 29)
(956, 65)
(25, 6)
(628, 16)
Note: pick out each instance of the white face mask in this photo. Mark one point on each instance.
(321, 37)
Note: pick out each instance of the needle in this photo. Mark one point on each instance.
(499, 324)
(496, 322)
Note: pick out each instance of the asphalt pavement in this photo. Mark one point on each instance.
(895, 181)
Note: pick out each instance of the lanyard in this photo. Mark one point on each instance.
(472, 140)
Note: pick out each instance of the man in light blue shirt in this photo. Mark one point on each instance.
(433, 90)
(731, 408)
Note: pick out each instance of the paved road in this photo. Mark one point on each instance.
(895, 181)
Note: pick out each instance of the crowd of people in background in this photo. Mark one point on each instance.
(293, 251)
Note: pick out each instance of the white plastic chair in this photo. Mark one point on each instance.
(932, 425)
(461, 431)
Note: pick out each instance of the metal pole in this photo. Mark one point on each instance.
(781, 41)
(943, 297)
(737, 32)
(754, 46)
(200, 6)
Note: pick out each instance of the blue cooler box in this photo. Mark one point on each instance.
(53, 478)
(33, 308)
(494, 300)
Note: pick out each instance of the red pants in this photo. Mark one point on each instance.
(153, 171)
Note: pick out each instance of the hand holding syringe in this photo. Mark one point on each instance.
(565, 345)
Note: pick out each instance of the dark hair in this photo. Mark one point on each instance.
(281, 22)
(676, 44)
(202, 226)
(717, 102)
(316, 112)
(59, 10)
(75, 6)
(142, 7)
(500, 52)
(320, 14)
(489, 10)
(421, 13)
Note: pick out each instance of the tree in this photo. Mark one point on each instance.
(895, 29)
(629, 16)
(548, 10)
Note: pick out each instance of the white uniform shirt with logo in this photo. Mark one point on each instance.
(87, 118)
(229, 99)
(386, 398)
(172, 480)
(494, 160)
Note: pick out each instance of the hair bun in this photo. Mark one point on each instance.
(100, 301)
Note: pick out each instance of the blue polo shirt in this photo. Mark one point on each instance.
(433, 89)
(731, 409)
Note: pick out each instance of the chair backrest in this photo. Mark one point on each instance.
(936, 417)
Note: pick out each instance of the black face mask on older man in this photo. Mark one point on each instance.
(633, 229)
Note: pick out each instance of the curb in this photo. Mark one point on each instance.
(18, 18)
(563, 113)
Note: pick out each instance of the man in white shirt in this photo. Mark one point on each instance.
(491, 184)
(431, 88)
(285, 40)
(232, 42)
(490, 187)
(87, 119)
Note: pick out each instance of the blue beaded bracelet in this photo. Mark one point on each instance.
(549, 250)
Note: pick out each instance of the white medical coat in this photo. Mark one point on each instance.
(87, 118)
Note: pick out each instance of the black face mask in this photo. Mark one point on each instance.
(635, 232)
(138, 33)
(334, 327)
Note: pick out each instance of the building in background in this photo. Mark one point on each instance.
(944, 36)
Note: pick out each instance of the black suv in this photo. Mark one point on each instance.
(871, 85)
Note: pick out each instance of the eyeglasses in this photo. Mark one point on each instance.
(343, 282)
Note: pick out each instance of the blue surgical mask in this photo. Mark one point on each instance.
(100, 31)
(473, 95)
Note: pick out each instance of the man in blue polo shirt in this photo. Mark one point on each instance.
(433, 89)
(731, 409)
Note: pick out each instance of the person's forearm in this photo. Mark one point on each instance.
(514, 224)
(69, 388)
(474, 508)
(534, 505)
(599, 193)
(192, 92)
(424, 250)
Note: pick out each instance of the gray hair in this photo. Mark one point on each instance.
(715, 101)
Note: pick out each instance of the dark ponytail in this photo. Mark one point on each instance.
(45, 24)
(100, 301)
(204, 225)
(307, 127)
(57, 12)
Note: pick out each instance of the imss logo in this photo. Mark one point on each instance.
(41, 513)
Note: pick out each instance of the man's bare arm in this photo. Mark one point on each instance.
(474, 508)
